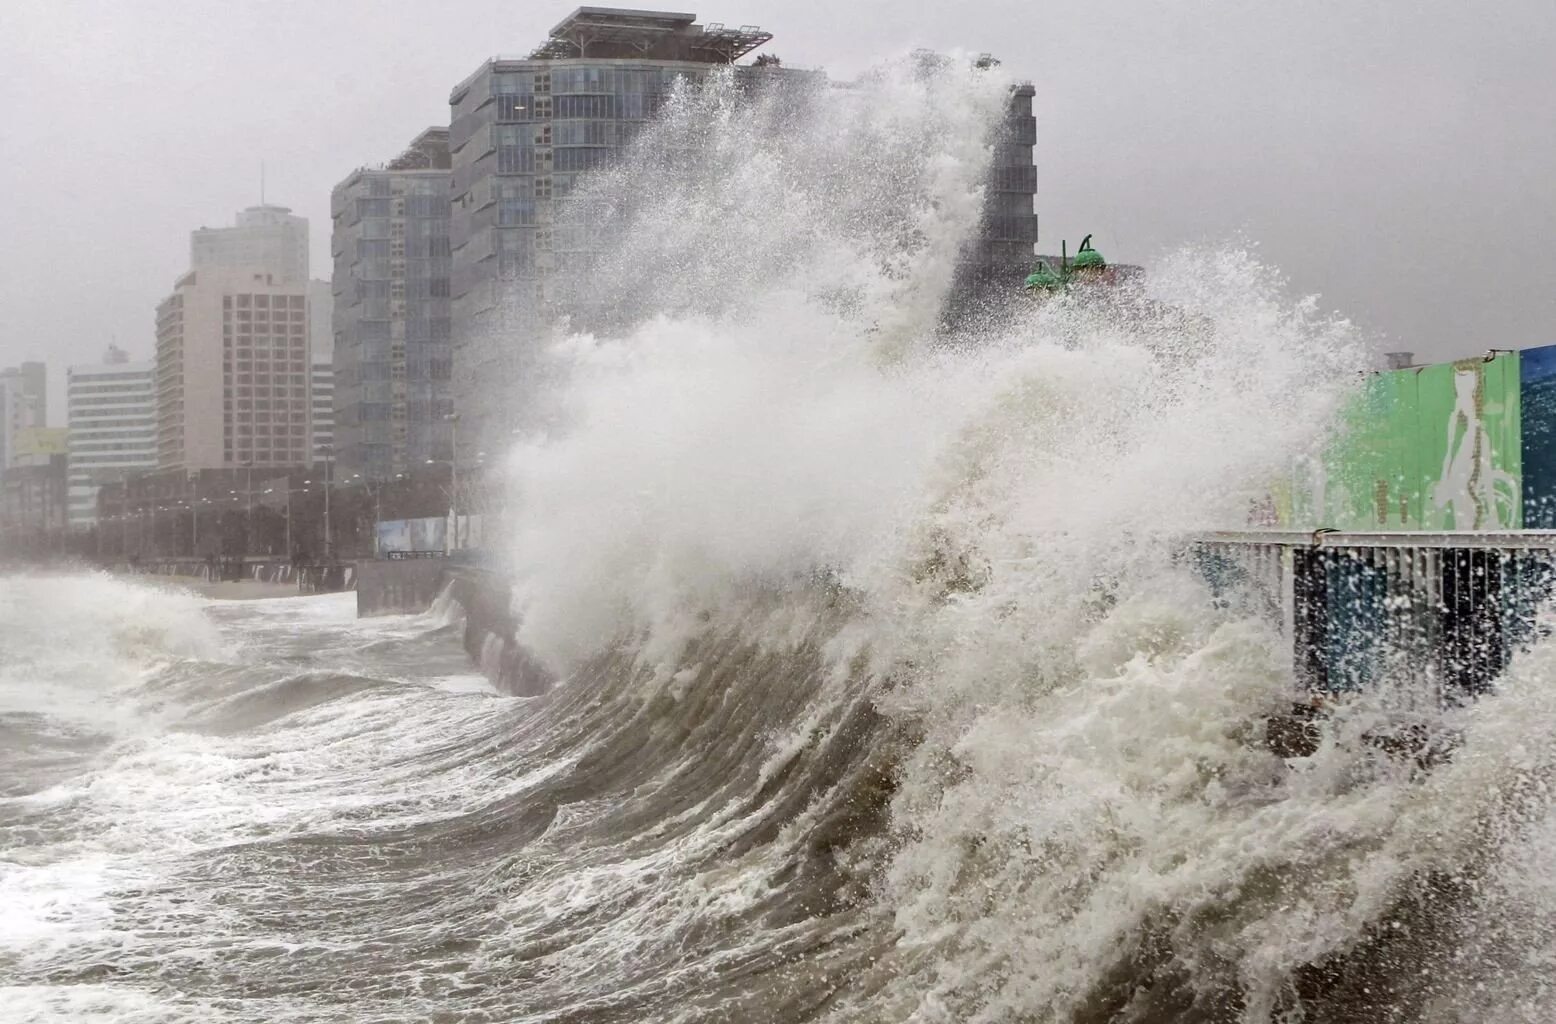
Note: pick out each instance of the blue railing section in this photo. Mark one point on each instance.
(1437, 616)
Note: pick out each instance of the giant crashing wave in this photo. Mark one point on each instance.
(881, 696)
(910, 587)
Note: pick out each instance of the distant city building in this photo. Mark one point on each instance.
(112, 415)
(392, 359)
(233, 368)
(268, 236)
(235, 348)
(24, 404)
(32, 494)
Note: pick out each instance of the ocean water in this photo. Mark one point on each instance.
(881, 695)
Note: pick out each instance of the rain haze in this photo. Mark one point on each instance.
(1389, 157)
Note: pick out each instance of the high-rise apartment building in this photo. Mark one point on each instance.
(24, 404)
(267, 236)
(235, 348)
(233, 368)
(112, 410)
(1007, 236)
(390, 242)
(521, 133)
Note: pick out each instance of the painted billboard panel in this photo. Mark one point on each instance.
(392, 535)
(1428, 448)
(41, 441)
(1537, 397)
(411, 536)
(428, 534)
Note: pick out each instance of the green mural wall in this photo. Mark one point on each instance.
(1428, 448)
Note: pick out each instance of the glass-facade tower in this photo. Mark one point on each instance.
(521, 133)
(524, 131)
(390, 243)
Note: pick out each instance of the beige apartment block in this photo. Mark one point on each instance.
(233, 364)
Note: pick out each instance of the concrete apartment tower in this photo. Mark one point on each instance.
(112, 414)
(521, 134)
(234, 349)
(390, 241)
(24, 404)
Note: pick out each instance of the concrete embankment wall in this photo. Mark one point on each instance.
(413, 585)
(398, 587)
(491, 632)
(310, 579)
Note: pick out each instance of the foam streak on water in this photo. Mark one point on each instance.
(882, 695)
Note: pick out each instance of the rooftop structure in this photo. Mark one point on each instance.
(426, 152)
(601, 33)
(267, 236)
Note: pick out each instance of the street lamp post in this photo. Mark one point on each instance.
(453, 475)
(329, 478)
(248, 518)
(194, 514)
(288, 536)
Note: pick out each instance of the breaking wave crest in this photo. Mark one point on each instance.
(1081, 818)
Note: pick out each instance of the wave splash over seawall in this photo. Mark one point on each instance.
(881, 694)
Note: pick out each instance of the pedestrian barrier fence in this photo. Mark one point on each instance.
(1437, 614)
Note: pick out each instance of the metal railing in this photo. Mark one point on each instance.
(1437, 616)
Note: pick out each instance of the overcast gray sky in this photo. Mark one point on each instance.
(1399, 158)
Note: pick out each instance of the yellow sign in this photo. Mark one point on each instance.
(41, 441)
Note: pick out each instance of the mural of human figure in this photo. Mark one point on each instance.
(1470, 491)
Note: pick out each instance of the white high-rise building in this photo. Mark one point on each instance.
(112, 410)
(269, 237)
(322, 375)
(323, 411)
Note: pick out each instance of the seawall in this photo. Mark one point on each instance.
(387, 587)
(411, 586)
(491, 632)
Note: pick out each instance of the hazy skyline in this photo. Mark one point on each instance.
(1388, 157)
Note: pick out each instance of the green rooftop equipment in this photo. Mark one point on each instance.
(1087, 258)
(1042, 278)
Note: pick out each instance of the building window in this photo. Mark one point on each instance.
(578, 159)
(514, 211)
